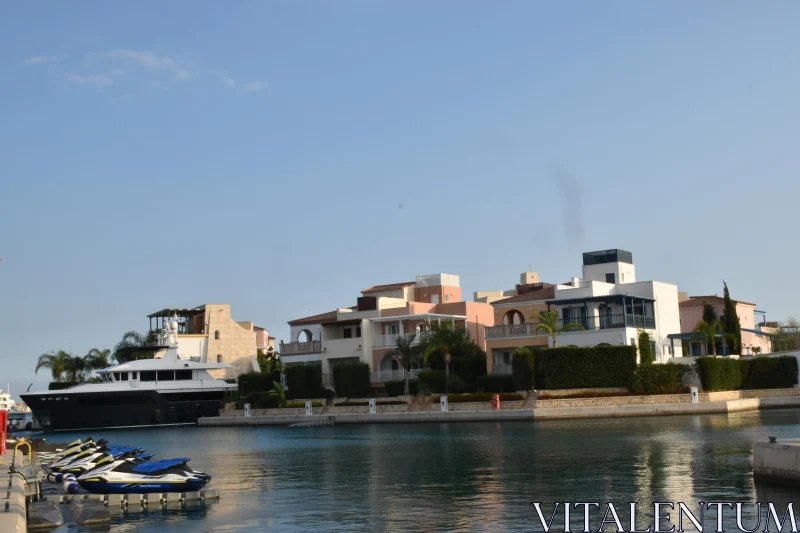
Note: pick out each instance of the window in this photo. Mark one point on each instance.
(219, 358)
(358, 331)
(347, 333)
(216, 335)
(183, 374)
(435, 299)
(116, 376)
(124, 376)
(147, 376)
(166, 375)
(393, 329)
(133, 375)
(610, 278)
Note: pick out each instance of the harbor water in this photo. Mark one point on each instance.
(452, 477)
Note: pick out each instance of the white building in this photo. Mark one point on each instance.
(612, 307)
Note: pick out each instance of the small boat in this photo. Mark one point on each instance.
(130, 475)
(81, 465)
(73, 449)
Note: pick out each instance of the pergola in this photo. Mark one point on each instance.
(180, 312)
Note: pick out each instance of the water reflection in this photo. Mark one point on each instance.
(456, 477)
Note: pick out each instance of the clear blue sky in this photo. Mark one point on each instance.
(258, 153)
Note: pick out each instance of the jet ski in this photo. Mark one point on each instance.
(81, 465)
(131, 475)
(92, 452)
(72, 450)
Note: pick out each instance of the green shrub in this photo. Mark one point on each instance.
(496, 383)
(455, 385)
(263, 400)
(351, 380)
(479, 397)
(304, 380)
(397, 388)
(646, 354)
(522, 363)
(769, 372)
(578, 368)
(469, 367)
(717, 374)
(432, 381)
(255, 382)
(660, 379)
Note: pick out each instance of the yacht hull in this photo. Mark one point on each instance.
(63, 410)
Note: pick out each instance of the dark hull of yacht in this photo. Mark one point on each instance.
(65, 411)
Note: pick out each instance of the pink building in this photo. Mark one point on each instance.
(263, 340)
(754, 335)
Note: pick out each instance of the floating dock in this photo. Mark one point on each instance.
(777, 461)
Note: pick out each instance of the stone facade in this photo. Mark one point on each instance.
(229, 342)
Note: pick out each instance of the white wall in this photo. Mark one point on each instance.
(614, 337)
(315, 329)
(340, 348)
(366, 346)
(623, 272)
(193, 346)
(387, 302)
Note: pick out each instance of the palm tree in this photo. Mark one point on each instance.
(406, 355)
(97, 359)
(548, 323)
(55, 361)
(134, 339)
(75, 368)
(709, 331)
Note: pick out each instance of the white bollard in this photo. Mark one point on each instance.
(695, 395)
(372, 409)
(443, 402)
(308, 407)
(247, 409)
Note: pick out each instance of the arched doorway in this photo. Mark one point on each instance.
(305, 336)
(513, 318)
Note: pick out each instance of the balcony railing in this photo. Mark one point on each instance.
(299, 348)
(382, 376)
(384, 341)
(592, 323)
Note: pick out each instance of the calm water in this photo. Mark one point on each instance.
(452, 477)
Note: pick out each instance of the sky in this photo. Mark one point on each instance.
(282, 156)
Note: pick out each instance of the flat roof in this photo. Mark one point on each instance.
(180, 311)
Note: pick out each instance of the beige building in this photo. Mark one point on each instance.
(208, 334)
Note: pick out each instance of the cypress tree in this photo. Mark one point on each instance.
(709, 315)
(733, 328)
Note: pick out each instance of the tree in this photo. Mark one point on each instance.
(75, 368)
(269, 361)
(278, 392)
(709, 333)
(646, 355)
(97, 359)
(55, 361)
(134, 339)
(709, 315)
(548, 324)
(733, 328)
(406, 354)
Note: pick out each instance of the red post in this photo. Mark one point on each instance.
(496, 401)
(3, 426)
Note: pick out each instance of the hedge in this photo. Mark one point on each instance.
(660, 379)
(522, 364)
(398, 388)
(479, 397)
(718, 373)
(469, 368)
(351, 380)
(258, 400)
(432, 381)
(579, 368)
(304, 380)
(255, 382)
(769, 372)
(495, 383)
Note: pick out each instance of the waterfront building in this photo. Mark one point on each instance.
(208, 334)
(755, 329)
(609, 304)
(369, 330)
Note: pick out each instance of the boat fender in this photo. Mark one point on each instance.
(55, 477)
(71, 486)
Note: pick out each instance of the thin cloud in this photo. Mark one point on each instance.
(229, 82)
(145, 59)
(117, 72)
(97, 80)
(183, 75)
(254, 86)
(35, 60)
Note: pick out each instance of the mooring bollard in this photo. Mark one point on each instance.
(308, 407)
(695, 395)
(443, 402)
(372, 409)
(247, 409)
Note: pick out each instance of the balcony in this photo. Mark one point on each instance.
(382, 376)
(300, 348)
(501, 368)
(390, 341)
(591, 323)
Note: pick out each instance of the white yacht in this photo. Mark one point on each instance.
(162, 390)
(6, 403)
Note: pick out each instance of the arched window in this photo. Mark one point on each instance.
(305, 336)
(513, 317)
(219, 358)
(216, 335)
